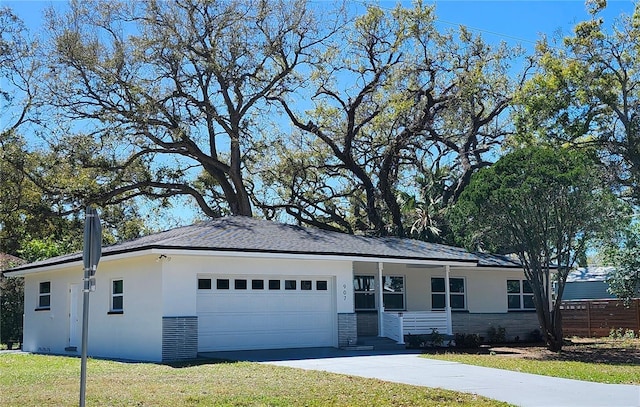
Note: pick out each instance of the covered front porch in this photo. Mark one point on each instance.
(397, 300)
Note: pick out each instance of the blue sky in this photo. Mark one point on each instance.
(509, 20)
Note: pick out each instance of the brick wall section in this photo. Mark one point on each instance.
(347, 329)
(519, 324)
(367, 323)
(179, 338)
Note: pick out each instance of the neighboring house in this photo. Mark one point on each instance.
(241, 283)
(588, 283)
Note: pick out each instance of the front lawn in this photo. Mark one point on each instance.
(38, 380)
(596, 360)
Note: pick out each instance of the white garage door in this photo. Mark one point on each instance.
(265, 312)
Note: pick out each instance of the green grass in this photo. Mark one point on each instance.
(593, 372)
(54, 381)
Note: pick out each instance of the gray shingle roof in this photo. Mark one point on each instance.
(246, 234)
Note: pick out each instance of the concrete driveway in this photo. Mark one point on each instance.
(521, 389)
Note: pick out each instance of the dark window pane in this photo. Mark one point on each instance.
(437, 300)
(44, 301)
(457, 301)
(117, 287)
(393, 301)
(364, 283)
(528, 301)
(321, 285)
(513, 301)
(526, 287)
(456, 285)
(274, 284)
(204, 284)
(289, 284)
(257, 284)
(305, 285)
(437, 285)
(117, 303)
(240, 284)
(365, 301)
(513, 286)
(45, 287)
(222, 284)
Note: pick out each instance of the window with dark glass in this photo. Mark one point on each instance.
(321, 285)
(519, 295)
(257, 284)
(274, 284)
(222, 284)
(393, 292)
(240, 284)
(289, 284)
(44, 296)
(364, 288)
(456, 293)
(117, 295)
(204, 284)
(305, 285)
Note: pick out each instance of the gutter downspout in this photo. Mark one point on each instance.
(447, 299)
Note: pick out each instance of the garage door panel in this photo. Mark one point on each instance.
(262, 319)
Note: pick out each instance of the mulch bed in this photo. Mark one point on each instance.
(591, 350)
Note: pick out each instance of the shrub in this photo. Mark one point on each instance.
(497, 335)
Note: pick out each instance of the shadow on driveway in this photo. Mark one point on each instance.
(273, 355)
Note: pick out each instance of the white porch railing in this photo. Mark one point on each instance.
(397, 324)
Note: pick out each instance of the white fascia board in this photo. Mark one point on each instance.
(223, 253)
(79, 264)
(303, 256)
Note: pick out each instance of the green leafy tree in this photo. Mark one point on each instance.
(624, 254)
(545, 205)
(11, 301)
(587, 93)
(392, 97)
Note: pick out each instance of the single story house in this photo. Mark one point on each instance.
(240, 283)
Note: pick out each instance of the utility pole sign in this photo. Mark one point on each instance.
(92, 250)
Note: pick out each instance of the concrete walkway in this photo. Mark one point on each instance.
(520, 389)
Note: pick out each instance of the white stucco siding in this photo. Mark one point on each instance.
(134, 334)
(487, 288)
(47, 331)
(137, 332)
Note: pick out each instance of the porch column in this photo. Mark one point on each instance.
(447, 299)
(379, 289)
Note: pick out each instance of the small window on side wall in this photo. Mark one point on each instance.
(117, 296)
(44, 296)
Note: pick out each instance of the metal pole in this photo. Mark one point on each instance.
(85, 332)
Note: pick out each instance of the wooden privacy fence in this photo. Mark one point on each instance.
(596, 318)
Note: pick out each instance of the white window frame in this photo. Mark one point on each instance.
(521, 294)
(42, 295)
(451, 293)
(113, 295)
(400, 293)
